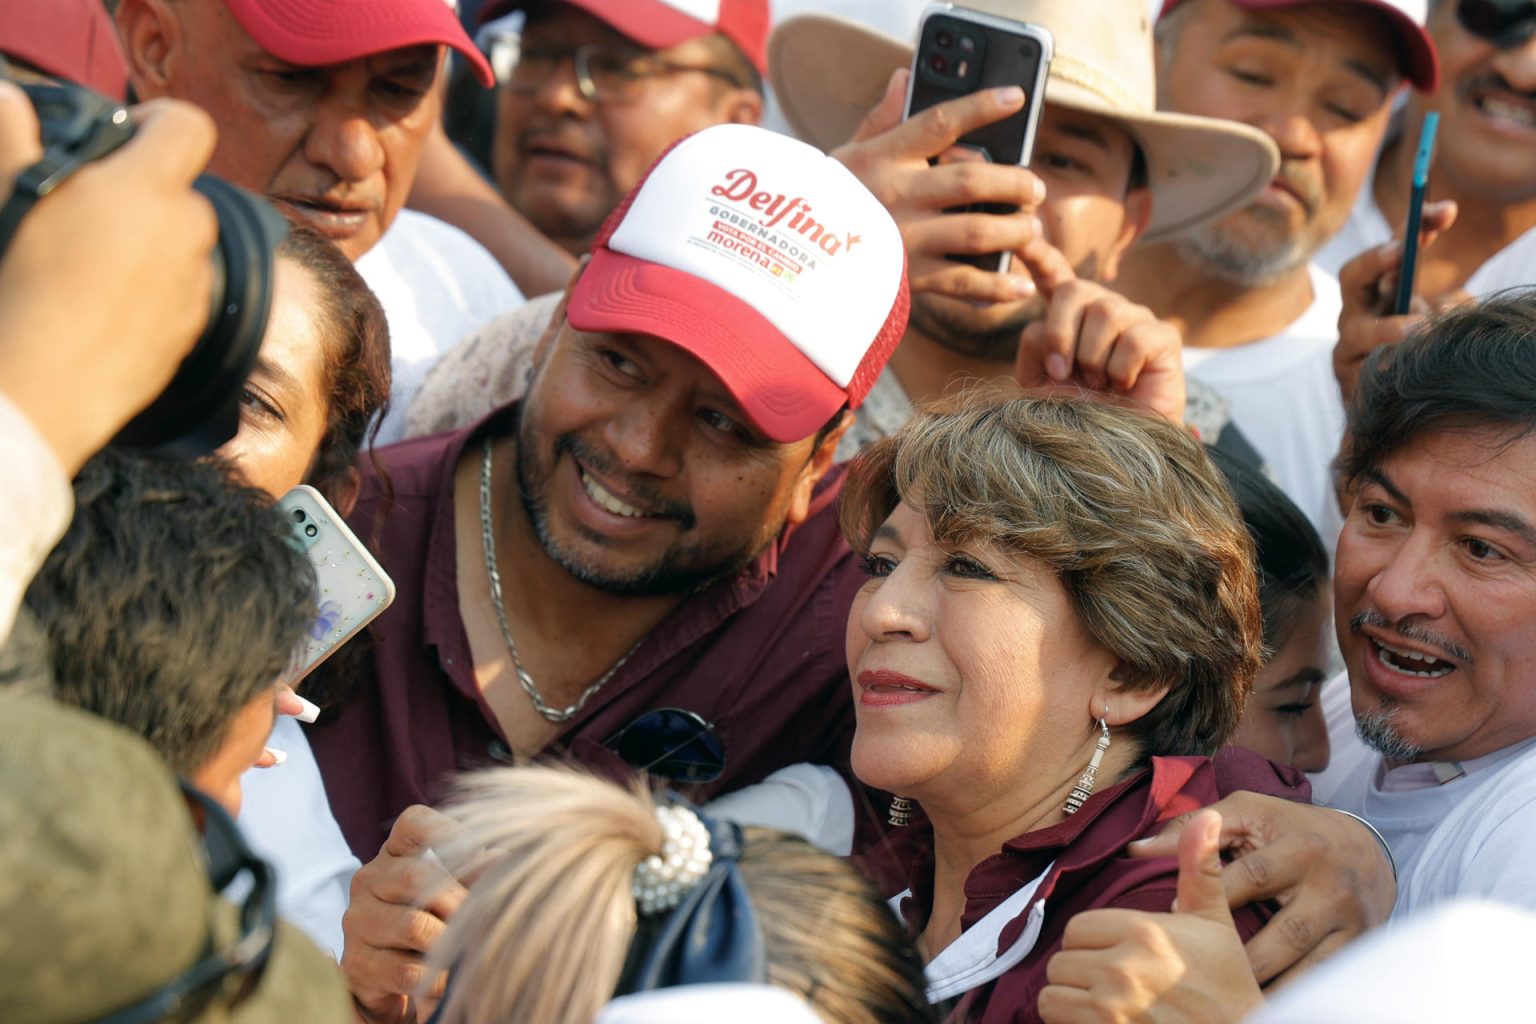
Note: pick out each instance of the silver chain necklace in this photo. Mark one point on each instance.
(531, 688)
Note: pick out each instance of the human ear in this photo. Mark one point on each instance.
(744, 106)
(1138, 214)
(151, 34)
(815, 468)
(1121, 704)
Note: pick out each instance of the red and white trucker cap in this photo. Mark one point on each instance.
(1421, 64)
(765, 259)
(658, 24)
(70, 39)
(313, 33)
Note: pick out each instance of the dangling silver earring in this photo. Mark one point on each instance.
(1085, 782)
(901, 812)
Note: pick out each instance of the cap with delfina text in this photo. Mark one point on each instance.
(313, 34)
(765, 259)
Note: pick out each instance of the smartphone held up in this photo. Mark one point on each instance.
(351, 587)
(960, 52)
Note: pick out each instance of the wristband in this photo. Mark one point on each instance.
(1385, 847)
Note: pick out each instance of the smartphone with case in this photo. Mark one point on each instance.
(959, 52)
(352, 588)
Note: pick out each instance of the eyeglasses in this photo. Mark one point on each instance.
(605, 73)
(237, 968)
(1504, 23)
(671, 743)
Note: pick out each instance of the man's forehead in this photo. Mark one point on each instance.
(1363, 35)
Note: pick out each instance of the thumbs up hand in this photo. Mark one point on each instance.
(1183, 967)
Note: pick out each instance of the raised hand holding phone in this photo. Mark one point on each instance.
(960, 52)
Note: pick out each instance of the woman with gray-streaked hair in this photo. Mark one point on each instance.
(1060, 628)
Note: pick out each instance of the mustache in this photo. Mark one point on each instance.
(1408, 631)
(597, 152)
(656, 503)
(1306, 183)
(1490, 81)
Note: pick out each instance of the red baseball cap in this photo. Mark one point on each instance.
(70, 39)
(318, 32)
(1421, 63)
(766, 260)
(658, 24)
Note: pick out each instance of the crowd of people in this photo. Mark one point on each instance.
(795, 617)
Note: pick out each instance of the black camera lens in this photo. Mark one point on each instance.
(311, 530)
(967, 44)
(939, 63)
(944, 40)
(298, 515)
(200, 409)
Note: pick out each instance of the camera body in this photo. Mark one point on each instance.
(200, 409)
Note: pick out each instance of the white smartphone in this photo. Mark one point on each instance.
(352, 588)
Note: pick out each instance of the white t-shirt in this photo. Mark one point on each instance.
(1469, 837)
(285, 816)
(436, 285)
(1511, 266)
(1282, 395)
(36, 505)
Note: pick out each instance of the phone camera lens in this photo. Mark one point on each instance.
(298, 515)
(311, 530)
(967, 44)
(944, 40)
(939, 63)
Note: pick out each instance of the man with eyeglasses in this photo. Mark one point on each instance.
(601, 88)
(1482, 185)
(328, 109)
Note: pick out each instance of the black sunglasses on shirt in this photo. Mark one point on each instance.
(671, 743)
(1504, 23)
(236, 968)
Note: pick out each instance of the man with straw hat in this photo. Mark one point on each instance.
(1108, 170)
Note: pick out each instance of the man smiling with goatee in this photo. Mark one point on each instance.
(1435, 593)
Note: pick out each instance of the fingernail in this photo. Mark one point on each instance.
(278, 756)
(1036, 227)
(1009, 96)
(311, 710)
(1393, 247)
(1140, 842)
(1024, 287)
(1056, 366)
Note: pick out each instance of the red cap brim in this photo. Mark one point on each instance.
(782, 393)
(316, 34)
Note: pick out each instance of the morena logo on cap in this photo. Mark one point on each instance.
(765, 258)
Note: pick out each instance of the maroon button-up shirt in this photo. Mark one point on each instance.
(1091, 868)
(759, 655)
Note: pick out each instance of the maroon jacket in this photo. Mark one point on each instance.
(1090, 870)
(759, 655)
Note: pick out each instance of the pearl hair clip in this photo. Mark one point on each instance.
(662, 879)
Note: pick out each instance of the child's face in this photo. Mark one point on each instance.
(220, 776)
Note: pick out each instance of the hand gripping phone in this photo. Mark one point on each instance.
(351, 588)
(1421, 160)
(960, 52)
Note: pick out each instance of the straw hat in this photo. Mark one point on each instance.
(828, 73)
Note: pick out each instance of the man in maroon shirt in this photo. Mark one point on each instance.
(649, 526)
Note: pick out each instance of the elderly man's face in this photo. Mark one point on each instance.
(1487, 105)
(1317, 78)
(564, 160)
(340, 143)
(1435, 594)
